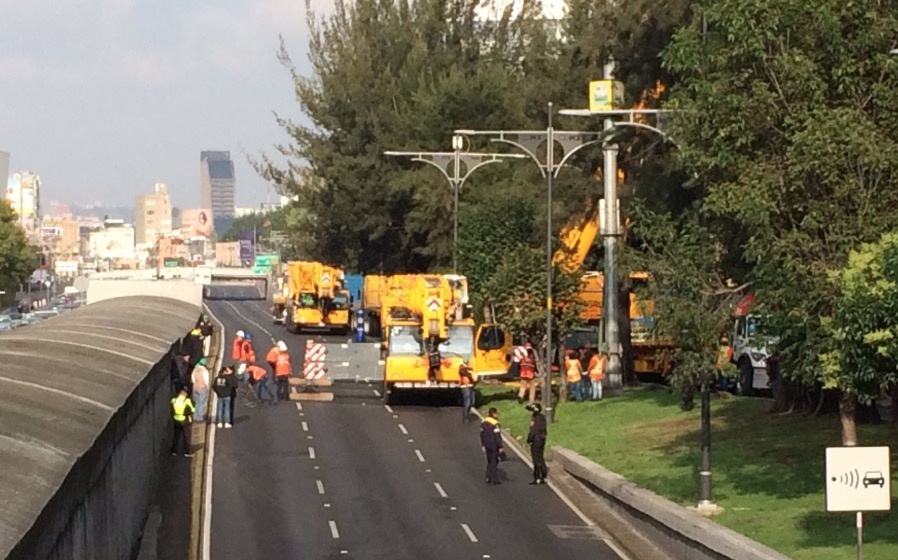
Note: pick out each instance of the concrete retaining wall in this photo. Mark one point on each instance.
(93, 503)
(182, 290)
(680, 533)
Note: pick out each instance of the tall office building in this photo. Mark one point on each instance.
(24, 195)
(152, 215)
(217, 188)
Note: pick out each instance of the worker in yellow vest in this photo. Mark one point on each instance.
(724, 358)
(597, 365)
(182, 414)
(574, 375)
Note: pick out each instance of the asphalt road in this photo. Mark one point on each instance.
(354, 478)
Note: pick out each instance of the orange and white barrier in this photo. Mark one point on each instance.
(313, 366)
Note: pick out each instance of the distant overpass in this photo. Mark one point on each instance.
(189, 284)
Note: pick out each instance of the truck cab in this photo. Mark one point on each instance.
(750, 343)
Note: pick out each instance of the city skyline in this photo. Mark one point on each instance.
(125, 94)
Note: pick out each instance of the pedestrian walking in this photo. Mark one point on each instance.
(182, 414)
(283, 369)
(225, 387)
(537, 440)
(491, 443)
(200, 381)
(466, 382)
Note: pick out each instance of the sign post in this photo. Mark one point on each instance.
(858, 479)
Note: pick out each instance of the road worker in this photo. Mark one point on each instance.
(247, 352)
(597, 365)
(433, 358)
(182, 414)
(260, 381)
(466, 382)
(205, 326)
(537, 440)
(271, 358)
(527, 368)
(574, 374)
(283, 369)
(491, 443)
(237, 347)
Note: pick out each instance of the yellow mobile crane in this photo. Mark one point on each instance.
(422, 309)
(318, 299)
(651, 353)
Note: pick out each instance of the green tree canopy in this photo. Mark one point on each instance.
(17, 261)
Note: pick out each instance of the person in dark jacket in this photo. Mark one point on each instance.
(225, 387)
(205, 327)
(193, 345)
(537, 440)
(491, 442)
(180, 372)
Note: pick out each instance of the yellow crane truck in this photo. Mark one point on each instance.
(318, 300)
(419, 309)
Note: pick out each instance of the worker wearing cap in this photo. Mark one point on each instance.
(283, 369)
(537, 440)
(491, 443)
(466, 382)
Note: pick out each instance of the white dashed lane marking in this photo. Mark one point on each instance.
(311, 453)
(420, 456)
(440, 490)
(403, 430)
(320, 486)
(469, 532)
(335, 533)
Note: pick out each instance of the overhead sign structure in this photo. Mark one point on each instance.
(858, 479)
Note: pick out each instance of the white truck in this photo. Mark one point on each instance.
(750, 348)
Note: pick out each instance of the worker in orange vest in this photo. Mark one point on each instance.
(237, 347)
(527, 365)
(574, 374)
(597, 365)
(260, 382)
(283, 369)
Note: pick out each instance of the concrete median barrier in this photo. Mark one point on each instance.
(86, 424)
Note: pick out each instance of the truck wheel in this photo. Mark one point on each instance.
(746, 379)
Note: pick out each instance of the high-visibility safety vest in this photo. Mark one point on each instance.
(527, 365)
(272, 356)
(181, 407)
(574, 368)
(465, 377)
(597, 365)
(256, 372)
(237, 349)
(282, 365)
(724, 356)
(247, 354)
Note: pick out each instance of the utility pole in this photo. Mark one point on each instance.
(528, 141)
(606, 96)
(456, 178)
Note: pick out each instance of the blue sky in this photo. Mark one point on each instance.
(103, 98)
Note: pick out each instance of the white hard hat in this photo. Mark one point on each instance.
(281, 346)
(240, 334)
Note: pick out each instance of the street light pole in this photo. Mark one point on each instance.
(441, 161)
(528, 141)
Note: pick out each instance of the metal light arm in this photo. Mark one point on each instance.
(438, 166)
(497, 159)
(502, 140)
(572, 152)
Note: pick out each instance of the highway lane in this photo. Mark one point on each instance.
(356, 479)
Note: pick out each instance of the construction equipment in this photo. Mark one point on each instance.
(279, 301)
(751, 347)
(422, 310)
(651, 354)
(318, 300)
(374, 288)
